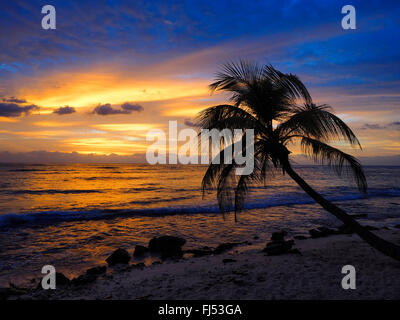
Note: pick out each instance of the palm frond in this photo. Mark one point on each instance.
(233, 75)
(317, 122)
(290, 82)
(335, 158)
(227, 117)
(225, 188)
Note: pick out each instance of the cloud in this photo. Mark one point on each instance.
(64, 110)
(14, 110)
(395, 124)
(107, 109)
(373, 126)
(130, 106)
(14, 100)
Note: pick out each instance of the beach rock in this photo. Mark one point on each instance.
(61, 280)
(300, 237)
(225, 246)
(295, 251)
(140, 250)
(278, 236)
(228, 260)
(139, 266)
(326, 231)
(118, 256)
(275, 248)
(96, 270)
(314, 233)
(199, 252)
(371, 228)
(168, 246)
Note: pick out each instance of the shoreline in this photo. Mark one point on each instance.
(245, 272)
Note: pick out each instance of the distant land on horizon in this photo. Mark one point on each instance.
(36, 157)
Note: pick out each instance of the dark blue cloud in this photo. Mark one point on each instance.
(131, 106)
(14, 110)
(107, 109)
(64, 110)
(14, 100)
(375, 126)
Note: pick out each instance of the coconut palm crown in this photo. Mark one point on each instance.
(280, 110)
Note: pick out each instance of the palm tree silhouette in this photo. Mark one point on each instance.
(280, 110)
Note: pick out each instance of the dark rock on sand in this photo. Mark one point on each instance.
(139, 266)
(225, 246)
(397, 226)
(371, 228)
(96, 270)
(61, 280)
(140, 250)
(314, 233)
(199, 252)
(168, 246)
(278, 245)
(275, 248)
(118, 256)
(228, 260)
(295, 251)
(278, 236)
(327, 231)
(300, 237)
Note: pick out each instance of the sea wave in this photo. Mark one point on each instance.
(50, 217)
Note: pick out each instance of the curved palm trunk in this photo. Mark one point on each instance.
(388, 248)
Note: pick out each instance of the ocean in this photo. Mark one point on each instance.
(73, 216)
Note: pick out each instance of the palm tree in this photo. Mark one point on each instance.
(280, 110)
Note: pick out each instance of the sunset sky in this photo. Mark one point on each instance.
(112, 70)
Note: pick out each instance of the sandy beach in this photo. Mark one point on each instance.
(246, 272)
